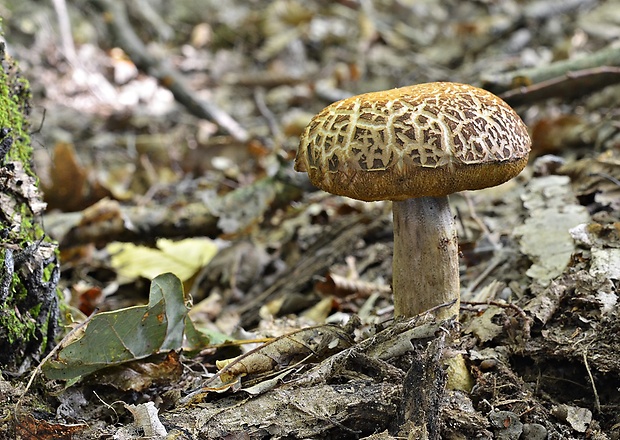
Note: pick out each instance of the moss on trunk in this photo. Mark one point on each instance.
(29, 268)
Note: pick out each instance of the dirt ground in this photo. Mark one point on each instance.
(181, 120)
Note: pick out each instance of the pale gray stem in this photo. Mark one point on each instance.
(425, 267)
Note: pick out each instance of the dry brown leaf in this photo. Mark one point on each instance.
(70, 188)
(141, 374)
(339, 285)
(29, 428)
(314, 342)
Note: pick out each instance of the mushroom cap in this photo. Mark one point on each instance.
(429, 139)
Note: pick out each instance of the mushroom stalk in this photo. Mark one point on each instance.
(425, 270)
(417, 144)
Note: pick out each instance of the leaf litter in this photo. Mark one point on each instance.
(546, 244)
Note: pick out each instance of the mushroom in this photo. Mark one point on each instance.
(415, 146)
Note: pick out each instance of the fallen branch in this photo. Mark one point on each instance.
(121, 30)
(572, 85)
(503, 82)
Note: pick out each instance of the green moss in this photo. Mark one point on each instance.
(48, 271)
(14, 104)
(18, 291)
(14, 98)
(35, 310)
(17, 327)
(27, 226)
(20, 311)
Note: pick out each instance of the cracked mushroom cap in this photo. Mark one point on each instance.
(430, 139)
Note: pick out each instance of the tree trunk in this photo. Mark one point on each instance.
(29, 268)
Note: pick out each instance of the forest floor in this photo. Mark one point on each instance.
(181, 120)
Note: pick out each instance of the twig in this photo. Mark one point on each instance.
(483, 227)
(496, 261)
(597, 401)
(568, 73)
(334, 243)
(261, 105)
(497, 83)
(95, 81)
(64, 25)
(128, 40)
(609, 177)
(544, 9)
(571, 85)
(145, 9)
(108, 405)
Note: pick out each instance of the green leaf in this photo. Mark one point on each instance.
(195, 340)
(111, 338)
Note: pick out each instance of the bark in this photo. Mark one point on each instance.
(29, 269)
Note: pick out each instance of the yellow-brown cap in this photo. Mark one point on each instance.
(430, 139)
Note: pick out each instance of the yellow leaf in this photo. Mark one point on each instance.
(183, 258)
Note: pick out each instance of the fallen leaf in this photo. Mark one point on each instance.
(183, 258)
(483, 326)
(126, 334)
(29, 428)
(70, 187)
(544, 237)
(141, 374)
(146, 417)
(315, 342)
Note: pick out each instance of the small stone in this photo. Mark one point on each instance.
(533, 431)
(578, 418)
(508, 425)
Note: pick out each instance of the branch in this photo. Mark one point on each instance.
(124, 35)
(558, 71)
(572, 85)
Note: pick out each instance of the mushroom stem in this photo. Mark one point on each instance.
(425, 270)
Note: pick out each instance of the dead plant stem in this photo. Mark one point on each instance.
(597, 401)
